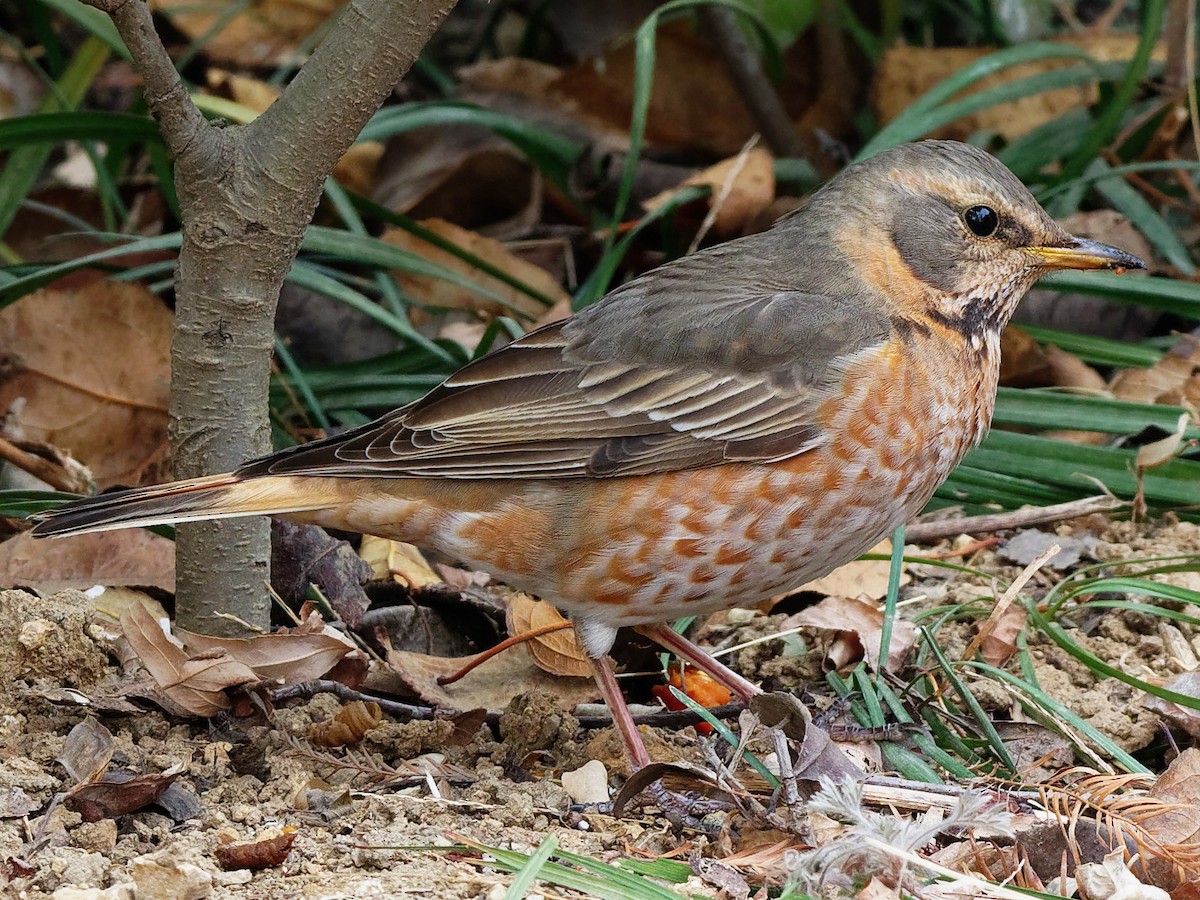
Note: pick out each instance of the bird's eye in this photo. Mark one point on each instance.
(982, 220)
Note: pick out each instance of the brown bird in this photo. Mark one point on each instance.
(719, 430)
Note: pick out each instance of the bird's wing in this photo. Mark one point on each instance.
(666, 373)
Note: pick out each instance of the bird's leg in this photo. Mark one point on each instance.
(617, 708)
(672, 640)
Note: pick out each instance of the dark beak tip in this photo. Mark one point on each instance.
(1113, 258)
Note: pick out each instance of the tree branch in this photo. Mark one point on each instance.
(168, 99)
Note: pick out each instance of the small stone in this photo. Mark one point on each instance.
(116, 892)
(159, 876)
(100, 837)
(587, 784)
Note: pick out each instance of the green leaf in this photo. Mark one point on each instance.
(25, 164)
(94, 22)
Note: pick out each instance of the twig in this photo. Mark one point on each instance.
(745, 68)
(661, 719)
(170, 104)
(926, 532)
(62, 474)
(491, 652)
(722, 195)
(1007, 598)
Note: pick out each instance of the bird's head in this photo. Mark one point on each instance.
(962, 238)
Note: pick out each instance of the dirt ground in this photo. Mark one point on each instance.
(245, 775)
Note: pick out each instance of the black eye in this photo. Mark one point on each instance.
(982, 220)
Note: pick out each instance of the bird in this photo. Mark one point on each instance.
(712, 433)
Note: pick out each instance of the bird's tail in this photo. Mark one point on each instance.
(213, 497)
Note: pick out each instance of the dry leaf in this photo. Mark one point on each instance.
(268, 850)
(1022, 362)
(1173, 380)
(1164, 449)
(119, 793)
(93, 368)
(265, 33)
(197, 685)
(556, 652)
(861, 578)
(133, 556)
(1002, 628)
(282, 656)
(856, 625)
(401, 562)
(489, 686)
(87, 750)
(905, 73)
(348, 726)
(744, 185)
(500, 299)
(463, 174)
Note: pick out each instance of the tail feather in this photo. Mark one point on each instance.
(215, 497)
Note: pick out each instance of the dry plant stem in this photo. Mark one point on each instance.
(308, 689)
(246, 196)
(925, 532)
(491, 652)
(54, 474)
(745, 68)
(1007, 598)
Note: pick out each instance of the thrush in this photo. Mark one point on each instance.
(721, 429)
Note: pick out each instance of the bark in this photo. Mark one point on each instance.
(246, 196)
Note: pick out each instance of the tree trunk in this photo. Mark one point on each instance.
(246, 196)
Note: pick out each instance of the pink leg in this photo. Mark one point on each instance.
(672, 640)
(622, 718)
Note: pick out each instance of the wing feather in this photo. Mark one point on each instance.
(642, 382)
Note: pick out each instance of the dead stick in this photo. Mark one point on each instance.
(57, 475)
(491, 652)
(926, 532)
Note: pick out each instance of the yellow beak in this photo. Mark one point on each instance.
(1080, 253)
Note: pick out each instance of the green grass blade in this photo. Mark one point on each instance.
(1096, 350)
(94, 22)
(531, 870)
(39, 276)
(915, 120)
(25, 164)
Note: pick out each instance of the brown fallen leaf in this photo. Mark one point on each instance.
(1173, 380)
(119, 793)
(196, 684)
(92, 367)
(87, 750)
(742, 187)
(556, 652)
(856, 627)
(463, 174)
(491, 685)
(904, 73)
(285, 657)
(266, 33)
(1003, 627)
(860, 578)
(266, 851)
(496, 297)
(348, 725)
(134, 556)
(401, 562)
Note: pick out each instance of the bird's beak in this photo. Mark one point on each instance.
(1080, 253)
